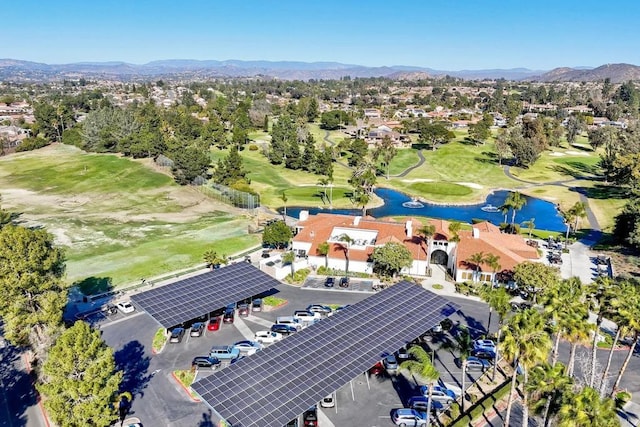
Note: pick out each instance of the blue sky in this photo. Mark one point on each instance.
(440, 34)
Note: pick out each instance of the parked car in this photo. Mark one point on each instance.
(288, 320)
(229, 316)
(256, 305)
(342, 307)
(176, 335)
(205, 362)
(403, 353)
(377, 369)
(292, 423)
(421, 403)
(484, 345)
(214, 324)
(390, 363)
(306, 316)
(330, 282)
(197, 329)
(267, 337)
(439, 394)
(406, 417)
(485, 354)
(476, 364)
(318, 308)
(248, 347)
(328, 401)
(310, 417)
(125, 307)
(344, 282)
(243, 310)
(224, 352)
(266, 253)
(283, 329)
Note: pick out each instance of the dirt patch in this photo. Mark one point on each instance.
(625, 262)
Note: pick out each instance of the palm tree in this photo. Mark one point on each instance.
(568, 217)
(289, 258)
(579, 211)
(547, 385)
(504, 209)
(531, 224)
(423, 368)
(515, 201)
(477, 259)
(212, 259)
(577, 330)
(348, 241)
(587, 409)
(284, 200)
(323, 249)
(525, 343)
(630, 312)
(363, 199)
(324, 182)
(559, 303)
(619, 316)
(498, 300)
(493, 261)
(599, 297)
(463, 345)
(454, 229)
(427, 233)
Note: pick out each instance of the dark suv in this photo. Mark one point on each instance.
(310, 417)
(205, 362)
(229, 315)
(243, 310)
(344, 282)
(176, 335)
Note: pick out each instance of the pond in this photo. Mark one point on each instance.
(546, 215)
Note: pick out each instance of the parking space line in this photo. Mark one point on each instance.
(128, 316)
(243, 328)
(323, 420)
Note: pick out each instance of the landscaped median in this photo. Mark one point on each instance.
(185, 379)
(273, 303)
(159, 341)
(481, 411)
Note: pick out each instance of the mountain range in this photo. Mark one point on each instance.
(17, 70)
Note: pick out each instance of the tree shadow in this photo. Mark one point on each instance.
(94, 285)
(207, 420)
(404, 387)
(134, 364)
(20, 393)
(603, 192)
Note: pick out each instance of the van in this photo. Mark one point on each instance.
(288, 320)
(224, 352)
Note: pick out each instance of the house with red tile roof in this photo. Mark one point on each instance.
(355, 238)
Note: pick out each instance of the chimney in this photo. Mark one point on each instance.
(476, 233)
(356, 220)
(409, 228)
(303, 216)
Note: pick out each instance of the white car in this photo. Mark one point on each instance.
(306, 316)
(126, 307)
(267, 337)
(328, 401)
(248, 347)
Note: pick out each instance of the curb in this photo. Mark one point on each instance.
(27, 365)
(185, 388)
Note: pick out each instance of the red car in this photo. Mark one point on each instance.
(214, 324)
(377, 369)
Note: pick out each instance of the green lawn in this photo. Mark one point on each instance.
(405, 158)
(119, 219)
(560, 165)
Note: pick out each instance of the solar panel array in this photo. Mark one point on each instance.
(199, 295)
(277, 384)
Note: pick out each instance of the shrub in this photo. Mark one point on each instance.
(621, 398)
(437, 286)
(253, 147)
(299, 276)
(31, 143)
(273, 301)
(159, 339)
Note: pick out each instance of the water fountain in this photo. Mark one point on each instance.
(413, 204)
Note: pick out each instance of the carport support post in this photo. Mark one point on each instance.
(353, 396)
(366, 375)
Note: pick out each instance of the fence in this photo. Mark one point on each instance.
(237, 198)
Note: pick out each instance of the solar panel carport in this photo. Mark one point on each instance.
(187, 299)
(277, 384)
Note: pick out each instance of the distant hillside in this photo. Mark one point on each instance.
(16, 70)
(618, 73)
